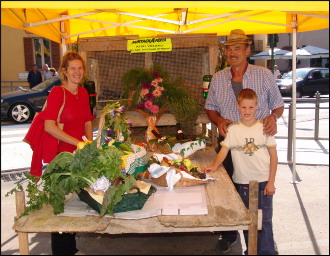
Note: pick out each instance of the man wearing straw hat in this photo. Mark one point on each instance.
(221, 103)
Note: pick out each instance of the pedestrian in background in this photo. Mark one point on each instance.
(53, 72)
(46, 72)
(277, 73)
(221, 103)
(34, 76)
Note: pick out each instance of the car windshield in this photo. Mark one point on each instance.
(44, 84)
(300, 73)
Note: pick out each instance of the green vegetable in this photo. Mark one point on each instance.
(125, 147)
(69, 173)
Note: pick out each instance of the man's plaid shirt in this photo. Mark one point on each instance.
(221, 97)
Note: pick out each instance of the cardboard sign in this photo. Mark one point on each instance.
(23, 75)
(149, 45)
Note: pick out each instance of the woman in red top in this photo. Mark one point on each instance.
(76, 117)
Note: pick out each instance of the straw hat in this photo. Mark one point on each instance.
(237, 36)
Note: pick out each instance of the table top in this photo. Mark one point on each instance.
(226, 211)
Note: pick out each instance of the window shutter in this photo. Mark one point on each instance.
(28, 53)
(55, 51)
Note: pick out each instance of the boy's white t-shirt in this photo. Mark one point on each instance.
(249, 151)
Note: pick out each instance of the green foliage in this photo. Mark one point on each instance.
(185, 108)
(116, 122)
(132, 79)
(69, 173)
(222, 59)
(115, 194)
(37, 193)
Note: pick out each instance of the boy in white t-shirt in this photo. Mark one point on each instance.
(255, 158)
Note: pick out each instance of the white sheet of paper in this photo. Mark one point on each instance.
(180, 201)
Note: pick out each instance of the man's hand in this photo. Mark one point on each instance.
(270, 126)
(222, 126)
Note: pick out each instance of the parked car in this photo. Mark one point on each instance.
(21, 105)
(308, 82)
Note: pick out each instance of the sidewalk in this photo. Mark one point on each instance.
(308, 152)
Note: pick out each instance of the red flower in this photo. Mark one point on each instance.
(156, 73)
(146, 86)
(149, 96)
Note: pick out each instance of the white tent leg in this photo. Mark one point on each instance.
(63, 45)
(294, 97)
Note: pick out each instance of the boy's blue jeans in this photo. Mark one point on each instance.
(265, 203)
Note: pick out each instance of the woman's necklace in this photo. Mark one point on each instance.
(73, 91)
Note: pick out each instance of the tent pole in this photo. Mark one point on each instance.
(294, 97)
(63, 45)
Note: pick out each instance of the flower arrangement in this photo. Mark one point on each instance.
(114, 125)
(150, 93)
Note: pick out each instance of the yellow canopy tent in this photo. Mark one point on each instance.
(64, 21)
(57, 20)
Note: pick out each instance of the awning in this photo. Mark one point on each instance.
(69, 19)
(308, 52)
(278, 54)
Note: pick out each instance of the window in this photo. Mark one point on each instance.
(42, 52)
(325, 73)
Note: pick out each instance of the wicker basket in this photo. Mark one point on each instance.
(183, 182)
(165, 148)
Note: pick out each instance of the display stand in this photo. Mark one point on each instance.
(226, 211)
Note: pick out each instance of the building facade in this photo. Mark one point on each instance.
(318, 38)
(21, 49)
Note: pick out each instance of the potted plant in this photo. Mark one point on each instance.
(186, 111)
(148, 93)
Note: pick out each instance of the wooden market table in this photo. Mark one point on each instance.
(226, 211)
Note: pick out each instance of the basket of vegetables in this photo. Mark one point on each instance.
(179, 173)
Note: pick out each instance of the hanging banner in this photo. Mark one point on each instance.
(149, 45)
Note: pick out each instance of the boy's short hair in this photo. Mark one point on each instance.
(247, 94)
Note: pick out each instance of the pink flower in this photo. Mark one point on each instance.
(154, 109)
(154, 83)
(157, 93)
(159, 79)
(148, 104)
(144, 92)
(160, 88)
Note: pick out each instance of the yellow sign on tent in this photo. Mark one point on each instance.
(149, 45)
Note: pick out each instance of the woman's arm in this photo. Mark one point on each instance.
(89, 130)
(52, 129)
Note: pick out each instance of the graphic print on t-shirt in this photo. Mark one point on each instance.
(250, 147)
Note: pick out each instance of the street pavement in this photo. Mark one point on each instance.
(300, 219)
